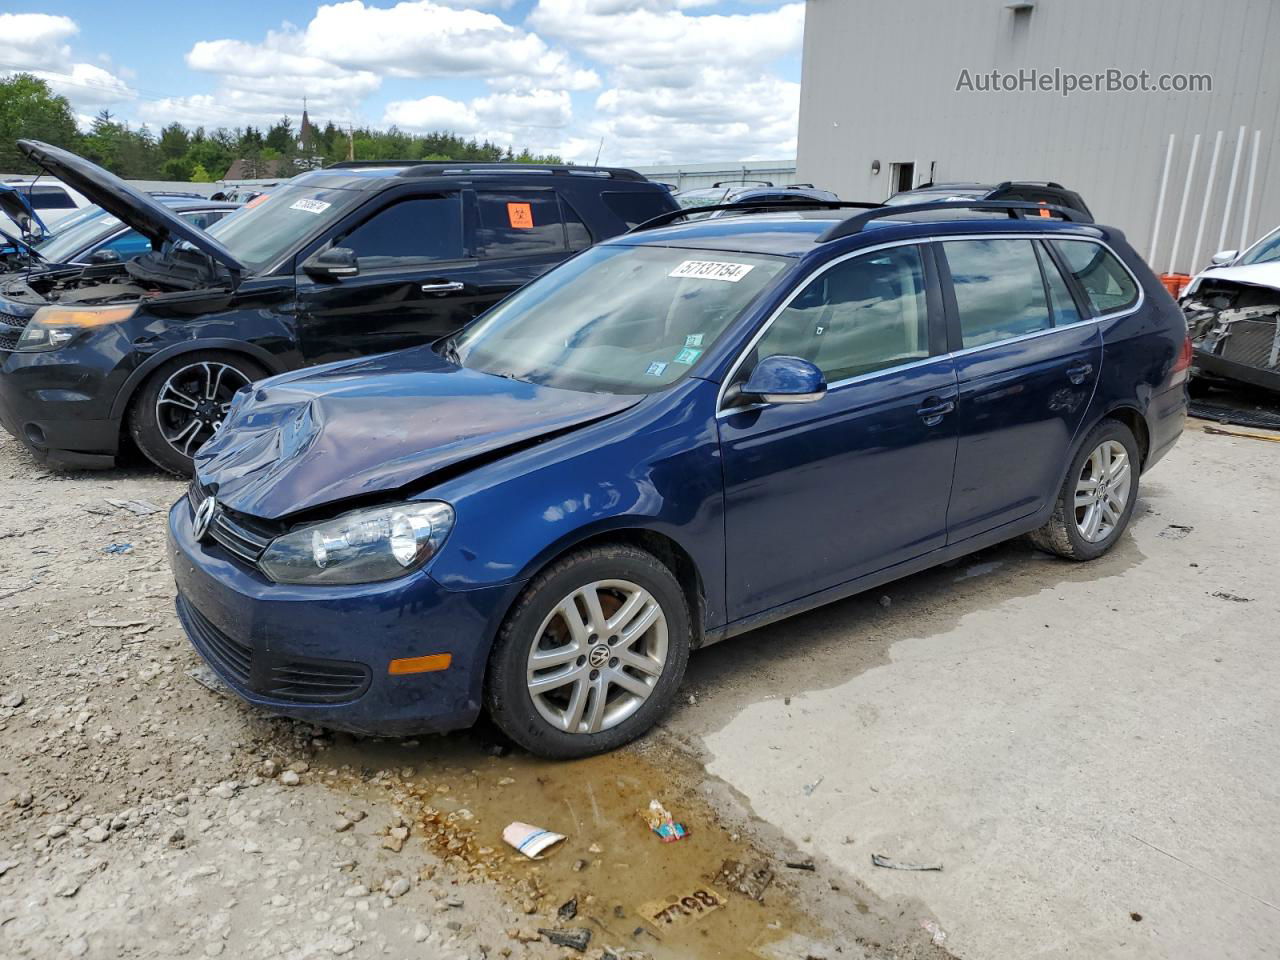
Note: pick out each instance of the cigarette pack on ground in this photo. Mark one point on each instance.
(662, 823)
(530, 840)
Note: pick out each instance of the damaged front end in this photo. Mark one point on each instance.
(1235, 331)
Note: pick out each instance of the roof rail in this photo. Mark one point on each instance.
(747, 206)
(1015, 210)
(416, 168)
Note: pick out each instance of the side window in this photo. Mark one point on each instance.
(1106, 282)
(422, 228)
(1061, 302)
(127, 245)
(576, 231)
(862, 315)
(998, 287)
(203, 218)
(517, 223)
(634, 207)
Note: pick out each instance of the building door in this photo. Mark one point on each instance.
(903, 177)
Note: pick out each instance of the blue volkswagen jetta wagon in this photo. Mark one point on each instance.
(676, 436)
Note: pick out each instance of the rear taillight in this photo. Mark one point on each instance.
(1184, 356)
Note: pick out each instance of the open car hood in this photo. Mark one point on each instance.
(16, 207)
(312, 437)
(1251, 274)
(153, 220)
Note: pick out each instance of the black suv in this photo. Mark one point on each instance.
(1044, 192)
(356, 259)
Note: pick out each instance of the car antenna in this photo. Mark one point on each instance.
(598, 149)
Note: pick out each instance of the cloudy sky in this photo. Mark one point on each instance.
(659, 80)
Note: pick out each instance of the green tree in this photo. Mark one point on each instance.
(29, 110)
(200, 175)
(175, 141)
(178, 168)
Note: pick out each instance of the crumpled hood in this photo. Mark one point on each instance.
(1253, 274)
(309, 438)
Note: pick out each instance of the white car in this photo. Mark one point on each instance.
(1233, 315)
(52, 201)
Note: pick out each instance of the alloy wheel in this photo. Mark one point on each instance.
(1102, 491)
(598, 656)
(193, 402)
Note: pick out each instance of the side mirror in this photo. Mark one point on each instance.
(104, 256)
(780, 379)
(332, 264)
(1223, 257)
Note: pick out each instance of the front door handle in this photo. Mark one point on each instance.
(1079, 373)
(934, 409)
(443, 286)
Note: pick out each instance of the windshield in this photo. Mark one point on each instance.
(260, 232)
(701, 198)
(616, 319)
(1266, 250)
(77, 234)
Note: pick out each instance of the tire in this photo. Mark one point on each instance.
(543, 721)
(156, 413)
(1068, 532)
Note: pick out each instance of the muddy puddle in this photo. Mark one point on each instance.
(633, 891)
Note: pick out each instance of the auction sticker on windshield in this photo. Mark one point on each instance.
(711, 270)
(309, 205)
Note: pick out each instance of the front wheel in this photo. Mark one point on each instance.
(591, 655)
(1097, 497)
(182, 405)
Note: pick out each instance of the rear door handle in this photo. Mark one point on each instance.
(934, 409)
(443, 286)
(1079, 373)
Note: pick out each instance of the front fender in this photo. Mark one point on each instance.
(655, 468)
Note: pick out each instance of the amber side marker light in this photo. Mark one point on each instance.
(427, 664)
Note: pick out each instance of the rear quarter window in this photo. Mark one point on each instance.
(634, 207)
(1105, 280)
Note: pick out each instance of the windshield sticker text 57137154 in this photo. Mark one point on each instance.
(711, 270)
(310, 206)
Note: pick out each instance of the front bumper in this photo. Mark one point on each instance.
(1211, 365)
(322, 654)
(60, 410)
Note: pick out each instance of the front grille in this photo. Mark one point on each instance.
(237, 534)
(11, 327)
(291, 680)
(1255, 343)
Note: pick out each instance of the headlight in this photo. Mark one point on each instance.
(363, 546)
(54, 327)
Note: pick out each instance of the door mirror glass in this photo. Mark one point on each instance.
(104, 256)
(1224, 256)
(781, 379)
(332, 264)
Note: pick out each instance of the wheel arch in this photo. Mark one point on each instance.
(139, 376)
(625, 530)
(1132, 418)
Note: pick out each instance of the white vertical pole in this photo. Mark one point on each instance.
(1248, 194)
(1204, 207)
(1231, 190)
(1164, 185)
(1182, 210)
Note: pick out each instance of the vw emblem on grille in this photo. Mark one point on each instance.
(203, 518)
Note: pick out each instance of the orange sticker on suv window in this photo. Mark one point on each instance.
(520, 215)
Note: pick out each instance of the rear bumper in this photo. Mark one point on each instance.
(322, 654)
(1166, 417)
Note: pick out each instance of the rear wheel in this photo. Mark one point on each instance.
(1097, 496)
(183, 403)
(591, 655)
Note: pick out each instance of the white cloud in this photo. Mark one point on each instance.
(33, 40)
(38, 43)
(536, 119)
(422, 38)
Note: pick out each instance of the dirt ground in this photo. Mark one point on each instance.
(143, 815)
